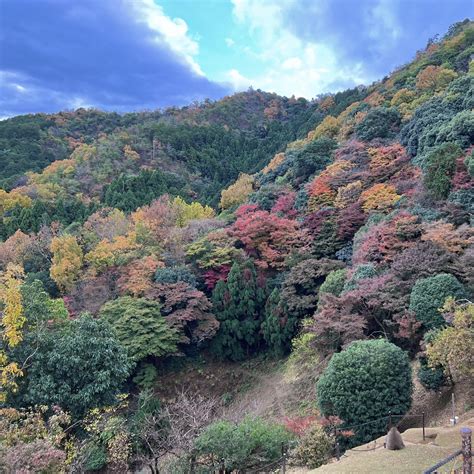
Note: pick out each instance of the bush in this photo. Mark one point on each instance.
(432, 378)
(334, 282)
(380, 122)
(429, 294)
(248, 445)
(314, 448)
(364, 383)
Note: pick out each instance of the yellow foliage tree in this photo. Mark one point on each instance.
(348, 194)
(67, 261)
(13, 320)
(329, 127)
(10, 200)
(275, 162)
(187, 212)
(453, 346)
(108, 253)
(238, 192)
(379, 197)
(130, 153)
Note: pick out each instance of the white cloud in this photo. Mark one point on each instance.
(174, 31)
(290, 64)
(229, 42)
(237, 81)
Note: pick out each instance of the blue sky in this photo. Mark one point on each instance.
(127, 55)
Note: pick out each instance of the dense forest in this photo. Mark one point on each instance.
(256, 225)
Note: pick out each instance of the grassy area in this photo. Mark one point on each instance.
(417, 456)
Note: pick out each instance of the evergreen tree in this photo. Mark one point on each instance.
(278, 327)
(238, 305)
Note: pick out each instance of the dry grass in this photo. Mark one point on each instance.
(417, 456)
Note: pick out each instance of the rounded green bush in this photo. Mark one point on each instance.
(334, 282)
(364, 383)
(429, 294)
(432, 378)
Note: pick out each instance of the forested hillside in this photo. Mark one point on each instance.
(338, 230)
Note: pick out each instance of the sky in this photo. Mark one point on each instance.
(129, 55)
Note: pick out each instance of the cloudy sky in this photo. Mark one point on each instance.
(127, 55)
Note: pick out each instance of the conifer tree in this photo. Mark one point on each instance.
(238, 305)
(279, 326)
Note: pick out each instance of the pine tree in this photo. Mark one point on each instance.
(238, 305)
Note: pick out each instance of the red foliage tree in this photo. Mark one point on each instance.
(186, 309)
(269, 239)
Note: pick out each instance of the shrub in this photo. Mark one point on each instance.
(40, 456)
(334, 282)
(432, 378)
(364, 383)
(429, 294)
(248, 445)
(314, 448)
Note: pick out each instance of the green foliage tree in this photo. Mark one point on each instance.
(440, 165)
(334, 282)
(238, 305)
(242, 447)
(380, 122)
(140, 327)
(364, 383)
(428, 296)
(77, 366)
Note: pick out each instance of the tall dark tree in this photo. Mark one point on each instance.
(239, 307)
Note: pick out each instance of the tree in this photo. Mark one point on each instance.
(380, 122)
(268, 238)
(78, 366)
(67, 261)
(301, 285)
(278, 327)
(329, 127)
(238, 305)
(249, 445)
(334, 282)
(364, 383)
(380, 197)
(237, 193)
(140, 327)
(186, 212)
(453, 347)
(440, 165)
(137, 276)
(186, 309)
(434, 78)
(13, 320)
(428, 296)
